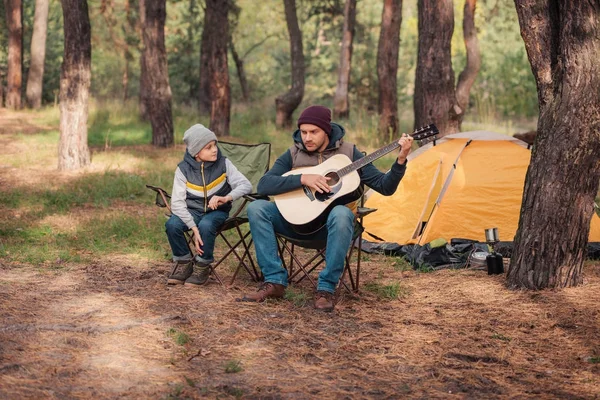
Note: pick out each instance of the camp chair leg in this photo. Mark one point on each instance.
(232, 249)
(297, 260)
(312, 268)
(254, 274)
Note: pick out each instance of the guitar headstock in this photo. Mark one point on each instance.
(425, 134)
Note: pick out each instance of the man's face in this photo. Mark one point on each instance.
(313, 137)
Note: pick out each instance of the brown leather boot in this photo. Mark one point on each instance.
(266, 290)
(324, 301)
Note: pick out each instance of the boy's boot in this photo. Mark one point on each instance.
(181, 271)
(200, 275)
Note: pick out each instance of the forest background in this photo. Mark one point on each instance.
(503, 97)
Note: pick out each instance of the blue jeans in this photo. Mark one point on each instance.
(208, 224)
(265, 220)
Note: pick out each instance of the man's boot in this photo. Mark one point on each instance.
(324, 301)
(266, 290)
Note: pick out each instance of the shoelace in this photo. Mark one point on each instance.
(264, 287)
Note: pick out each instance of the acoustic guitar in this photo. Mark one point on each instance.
(307, 209)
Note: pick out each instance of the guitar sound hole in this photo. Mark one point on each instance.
(333, 181)
(334, 178)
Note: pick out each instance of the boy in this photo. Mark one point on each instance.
(205, 184)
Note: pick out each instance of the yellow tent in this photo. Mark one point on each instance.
(456, 188)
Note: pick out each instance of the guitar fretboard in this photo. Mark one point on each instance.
(419, 134)
(358, 164)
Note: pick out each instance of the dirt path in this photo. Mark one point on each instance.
(107, 330)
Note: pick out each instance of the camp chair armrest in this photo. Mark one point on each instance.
(363, 211)
(162, 197)
(255, 196)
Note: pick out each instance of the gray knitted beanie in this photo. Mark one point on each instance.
(196, 137)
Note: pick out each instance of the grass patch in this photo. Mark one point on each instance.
(500, 336)
(392, 291)
(594, 360)
(179, 337)
(401, 264)
(424, 268)
(233, 366)
(296, 296)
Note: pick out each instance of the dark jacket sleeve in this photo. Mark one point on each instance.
(384, 183)
(273, 183)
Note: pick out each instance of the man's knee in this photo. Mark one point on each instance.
(257, 208)
(342, 215)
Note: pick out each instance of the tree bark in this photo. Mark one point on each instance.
(215, 38)
(38, 54)
(144, 78)
(468, 75)
(285, 104)
(387, 69)
(14, 77)
(562, 40)
(341, 102)
(158, 92)
(205, 54)
(434, 98)
(75, 78)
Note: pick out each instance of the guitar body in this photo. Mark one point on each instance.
(303, 206)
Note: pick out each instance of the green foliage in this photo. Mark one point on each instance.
(504, 87)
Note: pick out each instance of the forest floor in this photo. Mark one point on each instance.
(112, 329)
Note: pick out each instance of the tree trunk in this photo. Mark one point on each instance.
(214, 47)
(144, 78)
(75, 78)
(562, 40)
(341, 102)
(288, 102)
(435, 98)
(14, 77)
(38, 54)
(205, 54)
(158, 95)
(387, 69)
(468, 75)
(239, 66)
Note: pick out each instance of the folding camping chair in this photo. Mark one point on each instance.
(252, 161)
(301, 268)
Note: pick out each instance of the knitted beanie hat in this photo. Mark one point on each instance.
(196, 137)
(316, 115)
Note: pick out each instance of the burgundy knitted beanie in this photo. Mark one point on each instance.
(316, 115)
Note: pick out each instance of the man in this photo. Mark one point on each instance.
(316, 140)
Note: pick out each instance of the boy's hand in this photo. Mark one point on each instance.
(197, 240)
(216, 201)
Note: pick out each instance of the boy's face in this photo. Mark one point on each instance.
(208, 153)
(313, 137)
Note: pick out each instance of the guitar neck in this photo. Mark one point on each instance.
(358, 164)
